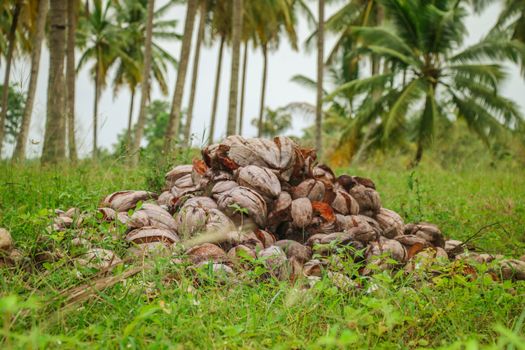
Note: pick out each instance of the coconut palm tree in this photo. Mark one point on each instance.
(220, 27)
(37, 39)
(131, 18)
(320, 70)
(55, 134)
(215, 102)
(441, 84)
(101, 41)
(243, 86)
(237, 17)
(172, 130)
(144, 83)
(194, 77)
(270, 19)
(249, 34)
(71, 75)
(11, 42)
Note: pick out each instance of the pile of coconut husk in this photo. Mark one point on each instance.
(9, 255)
(260, 201)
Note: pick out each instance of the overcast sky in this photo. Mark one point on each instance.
(283, 64)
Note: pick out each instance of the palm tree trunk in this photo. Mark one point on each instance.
(130, 119)
(216, 93)
(237, 14)
(55, 134)
(95, 112)
(5, 91)
(21, 140)
(320, 68)
(263, 90)
(368, 10)
(139, 130)
(95, 115)
(71, 77)
(195, 73)
(366, 17)
(172, 130)
(376, 92)
(243, 88)
(379, 17)
(419, 154)
(374, 65)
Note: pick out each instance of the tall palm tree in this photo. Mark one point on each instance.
(422, 39)
(237, 11)
(37, 38)
(55, 134)
(144, 84)
(320, 70)
(71, 75)
(173, 128)
(194, 76)
(131, 17)
(101, 41)
(264, 78)
(243, 87)
(220, 27)
(248, 34)
(270, 19)
(9, 57)
(215, 103)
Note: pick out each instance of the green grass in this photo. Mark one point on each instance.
(166, 307)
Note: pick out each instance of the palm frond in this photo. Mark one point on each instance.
(492, 74)
(303, 7)
(165, 55)
(361, 86)
(382, 36)
(478, 119)
(510, 10)
(505, 110)
(398, 111)
(370, 111)
(406, 15)
(305, 108)
(493, 48)
(447, 27)
(310, 41)
(161, 12)
(394, 54)
(305, 82)
(341, 18)
(166, 35)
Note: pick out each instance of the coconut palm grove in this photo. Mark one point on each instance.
(255, 174)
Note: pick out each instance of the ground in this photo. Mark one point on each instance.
(162, 308)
